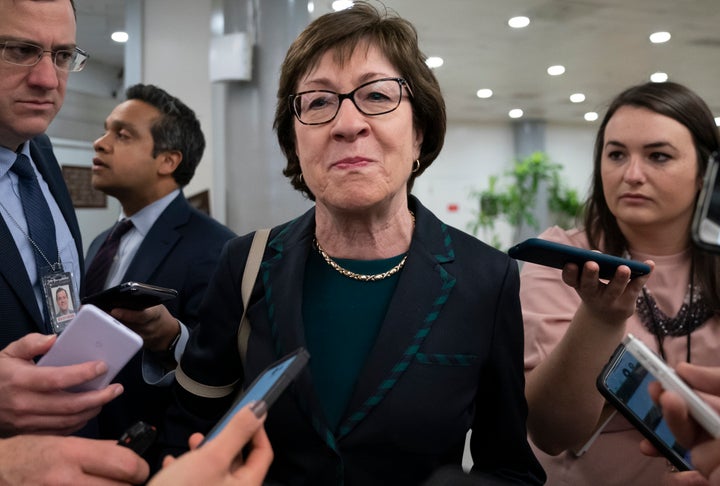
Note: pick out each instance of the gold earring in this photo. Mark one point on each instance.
(301, 178)
(416, 165)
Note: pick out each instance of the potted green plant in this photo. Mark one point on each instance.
(513, 196)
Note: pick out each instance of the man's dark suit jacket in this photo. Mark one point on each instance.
(19, 312)
(180, 251)
(448, 358)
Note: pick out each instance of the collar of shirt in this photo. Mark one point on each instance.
(10, 198)
(7, 158)
(143, 221)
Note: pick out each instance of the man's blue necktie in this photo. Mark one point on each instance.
(37, 214)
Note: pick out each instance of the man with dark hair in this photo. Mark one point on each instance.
(150, 149)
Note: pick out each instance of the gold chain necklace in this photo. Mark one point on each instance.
(359, 276)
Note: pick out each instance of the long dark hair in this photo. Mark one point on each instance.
(684, 106)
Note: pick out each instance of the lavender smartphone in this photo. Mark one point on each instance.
(94, 335)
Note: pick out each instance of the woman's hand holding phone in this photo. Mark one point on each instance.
(613, 300)
(220, 461)
(608, 285)
(558, 255)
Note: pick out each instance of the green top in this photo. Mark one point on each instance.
(342, 318)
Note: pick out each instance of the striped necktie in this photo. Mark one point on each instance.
(99, 268)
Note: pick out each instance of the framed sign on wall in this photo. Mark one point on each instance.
(81, 191)
(201, 201)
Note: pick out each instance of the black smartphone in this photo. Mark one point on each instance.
(624, 384)
(130, 295)
(557, 255)
(266, 387)
(706, 221)
(138, 437)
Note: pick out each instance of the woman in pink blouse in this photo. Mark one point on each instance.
(651, 152)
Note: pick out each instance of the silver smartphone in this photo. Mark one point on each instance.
(94, 335)
(624, 383)
(705, 415)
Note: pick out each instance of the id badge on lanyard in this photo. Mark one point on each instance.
(59, 293)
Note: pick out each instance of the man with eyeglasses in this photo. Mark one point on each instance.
(39, 247)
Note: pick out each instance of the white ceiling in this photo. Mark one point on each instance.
(602, 43)
(96, 20)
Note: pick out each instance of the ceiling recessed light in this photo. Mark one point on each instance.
(119, 36)
(515, 113)
(338, 5)
(311, 7)
(591, 116)
(484, 93)
(658, 77)
(577, 97)
(434, 62)
(659, 37)
(556, 70)
(519, 22)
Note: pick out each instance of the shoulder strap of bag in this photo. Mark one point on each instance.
(252, 267)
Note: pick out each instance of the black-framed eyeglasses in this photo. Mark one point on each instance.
(24, 54)
(372, 98)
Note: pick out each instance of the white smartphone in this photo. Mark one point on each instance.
(705, 415)
(93, 335)
(267, 386)
(624, 383)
